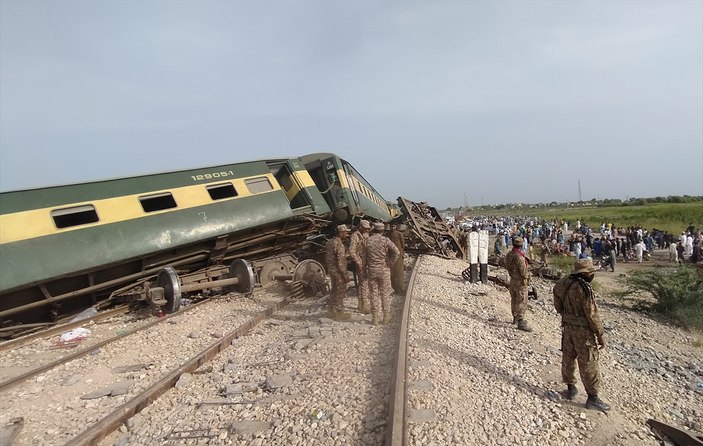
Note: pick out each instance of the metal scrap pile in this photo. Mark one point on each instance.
(427, 233)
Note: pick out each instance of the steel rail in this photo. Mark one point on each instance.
(30, 373)
(396, 434)
(94, 434)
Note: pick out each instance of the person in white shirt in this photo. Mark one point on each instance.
(688, 245)
(639, 250)
(673, 255)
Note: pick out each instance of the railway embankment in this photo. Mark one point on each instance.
(301, 378)
(481, 381)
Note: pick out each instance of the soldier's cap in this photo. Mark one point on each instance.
(365, 224)
(379, 226)
(517, 241)
(584, 266)
(342, 228)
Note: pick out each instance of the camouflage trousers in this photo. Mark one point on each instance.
(380, 293)
(578, 345)
(362, 283)
(518, 299)
(338, 291)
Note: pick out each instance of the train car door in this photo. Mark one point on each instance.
(300, 201)
(348, 171)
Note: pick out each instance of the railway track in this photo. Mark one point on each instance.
(449, 369)
(295, 367)
(59, 398)
(298, 378)
(27, 364)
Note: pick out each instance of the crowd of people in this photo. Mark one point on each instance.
(377, 258)
(609, 242)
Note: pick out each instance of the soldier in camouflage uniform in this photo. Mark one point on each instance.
(397, 270)
(516, 264)
(356, 243)
(582, 332)
(336, 263)
(380, 253)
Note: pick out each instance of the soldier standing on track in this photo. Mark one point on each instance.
(380, 253)
(582, 334)
(398, 270)
(336, 263)
(516, 264)
(356, 244)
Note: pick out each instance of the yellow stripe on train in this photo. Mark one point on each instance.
(39, 222)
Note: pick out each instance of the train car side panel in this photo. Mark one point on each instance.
(33, 260)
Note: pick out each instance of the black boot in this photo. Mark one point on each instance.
(593, 402)
(571, 391)
(522, 325)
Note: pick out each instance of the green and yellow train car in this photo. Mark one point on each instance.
(345, 190)
(63, 248)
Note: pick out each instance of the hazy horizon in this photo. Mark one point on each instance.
(484, 102)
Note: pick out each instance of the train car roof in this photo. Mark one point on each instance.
(144, 175)
(15, 201)
(318, 156)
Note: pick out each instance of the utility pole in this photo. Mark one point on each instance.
(580, 190)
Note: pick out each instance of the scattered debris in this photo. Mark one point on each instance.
(72, 338)
(183, 380)
(130, 368)
(71, 380)
(239, 388)
(248, 427)
(119, 388)
(192, 433)
(278, 381)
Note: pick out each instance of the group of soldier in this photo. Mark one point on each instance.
(582, 327)
(378, 265)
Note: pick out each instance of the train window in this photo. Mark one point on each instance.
(258, 185)
(157, 202)
(221, 191)
(76, 216)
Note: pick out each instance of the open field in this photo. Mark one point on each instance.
(672, 217)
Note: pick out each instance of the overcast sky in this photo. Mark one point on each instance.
(443, 101)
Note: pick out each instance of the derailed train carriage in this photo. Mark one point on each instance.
(154, 237)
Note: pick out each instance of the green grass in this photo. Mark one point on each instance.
(562, 262)
(677, 293)
(672, 217)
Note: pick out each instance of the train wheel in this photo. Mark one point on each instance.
(270, 270)
(168, 280)
(309, 272)
(242, 270)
